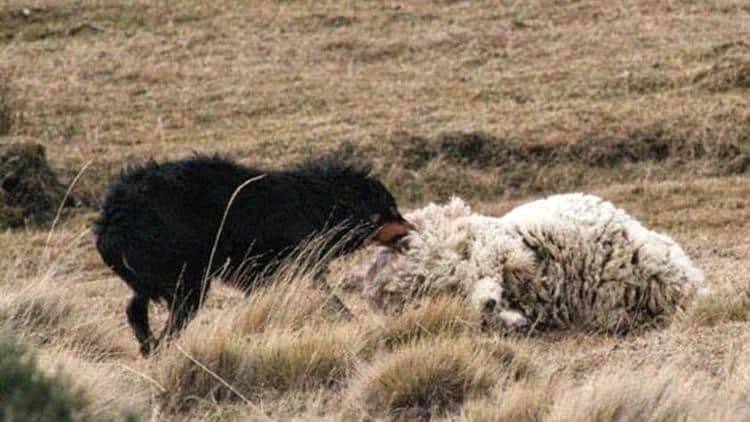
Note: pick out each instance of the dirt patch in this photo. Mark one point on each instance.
(368, 52)
(30, 191)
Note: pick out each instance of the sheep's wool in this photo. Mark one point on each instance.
(567, 261)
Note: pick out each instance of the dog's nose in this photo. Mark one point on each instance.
(489, 305)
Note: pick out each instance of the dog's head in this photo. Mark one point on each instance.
(363, 203)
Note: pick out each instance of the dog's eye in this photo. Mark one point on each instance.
(375, 217)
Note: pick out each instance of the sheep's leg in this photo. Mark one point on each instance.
(373, 289)
(137, 312)
(513, 319)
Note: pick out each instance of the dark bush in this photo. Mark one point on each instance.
(29, 189)
(6, 117)
(27, 394)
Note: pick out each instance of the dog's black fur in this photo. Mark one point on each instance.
(159, 223)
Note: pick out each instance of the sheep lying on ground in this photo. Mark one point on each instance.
(567, 261)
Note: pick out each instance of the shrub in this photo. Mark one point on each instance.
(27, 394)
(31, 191)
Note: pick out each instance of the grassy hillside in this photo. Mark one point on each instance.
(644, 102)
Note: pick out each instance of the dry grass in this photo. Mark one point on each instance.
(160, 80)
(441, 317)
(287, 304)
(425, 378)
(727, 305)
(658, 397)
(281, 353)
(519, 402)
(643, 102)
(224, 367)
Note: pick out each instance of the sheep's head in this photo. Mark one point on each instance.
(423, 261)
(485, 296)
(452, 250)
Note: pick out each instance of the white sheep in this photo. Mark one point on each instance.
(567, 261)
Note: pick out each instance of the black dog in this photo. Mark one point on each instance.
(159, 224)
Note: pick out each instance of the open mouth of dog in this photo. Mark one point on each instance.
(392, 235)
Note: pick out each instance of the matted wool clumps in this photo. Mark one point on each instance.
(567, 261)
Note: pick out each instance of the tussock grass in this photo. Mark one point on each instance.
(519, 402)
(35, 311)
(439, 317)
(33, 304)
(97, 339)
(670, 396)
(516, 360)
(612, 394)
(41, 314)
(286, 304)
(282, 353)
(430, 376)
(204, 368)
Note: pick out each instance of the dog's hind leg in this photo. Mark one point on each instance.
(184, 303)
(137, 312)
(183, 311)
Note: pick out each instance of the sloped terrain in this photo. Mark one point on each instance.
(644, 103)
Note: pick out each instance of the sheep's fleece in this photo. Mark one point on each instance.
(567, 261)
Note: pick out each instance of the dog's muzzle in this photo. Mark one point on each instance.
(390, 233)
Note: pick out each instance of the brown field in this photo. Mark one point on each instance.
(644, 102)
